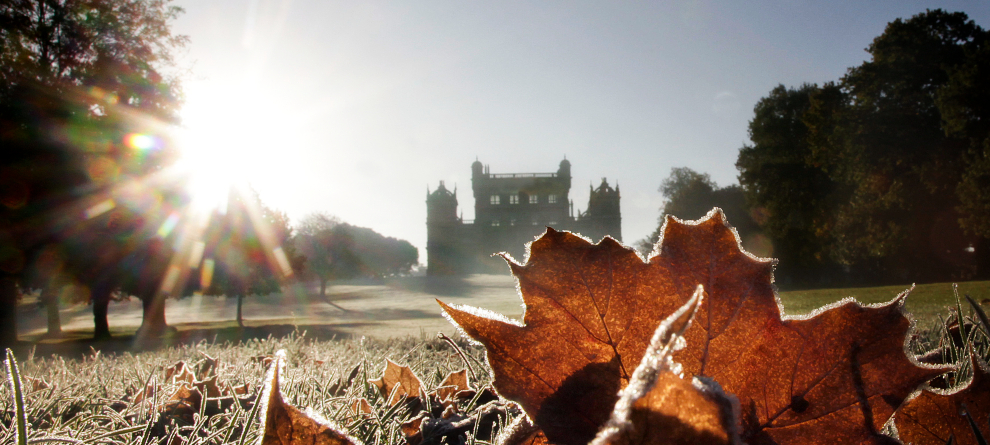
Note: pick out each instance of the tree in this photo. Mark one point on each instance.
(380, 256)
(337, 250)
(321, 245)
(690, 195)
(75, 78)
(964, 103)
(785, 183)
(878, 174)
(252, 249)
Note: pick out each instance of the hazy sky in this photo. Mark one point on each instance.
(356, 107)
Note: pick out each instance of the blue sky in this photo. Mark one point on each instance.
(355, 108)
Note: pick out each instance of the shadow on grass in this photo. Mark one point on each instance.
(76, 344)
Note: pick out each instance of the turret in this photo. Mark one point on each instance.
(441, 205)
(477, 170)
(564, 172)
(603, 211)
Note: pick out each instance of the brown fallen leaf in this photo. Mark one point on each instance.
(180, 372)
(208, 387)
(933, 416)
(453, 383)
(658, 407)
(397, 382)
(360, 407)
(36, 384)
(208, 366)
(285, 424)
(835, 377)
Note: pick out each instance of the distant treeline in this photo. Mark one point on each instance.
(337, 250)
(880, 177)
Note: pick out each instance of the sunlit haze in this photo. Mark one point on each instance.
(356, 108)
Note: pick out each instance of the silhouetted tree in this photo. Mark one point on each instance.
(690, 195)
(379, 255)
(253, 250)
(320, 244)
(876, 173)
(75, 78)
(785, 184)
(336, 250)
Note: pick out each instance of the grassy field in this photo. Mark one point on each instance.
(83, 400)
(405, 307)
(89, 399)
(926, 302)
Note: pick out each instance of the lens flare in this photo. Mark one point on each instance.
(169, 224)
(206, 275)
(283, 261)
(197, 254)
(101, 208)
(140, 141)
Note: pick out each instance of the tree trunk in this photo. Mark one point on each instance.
(153, 323)
(101, 307)
(50, 298)
(240, 310)
(8, 311)
(323, 288)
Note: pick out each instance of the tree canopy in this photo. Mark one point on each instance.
(337, 250)
(250, 250)
(880, 173)
(689, 195)
(86, 97)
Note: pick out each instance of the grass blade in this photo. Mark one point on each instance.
(254, 415)
(984, 322)
(119, 432)
(15, 387)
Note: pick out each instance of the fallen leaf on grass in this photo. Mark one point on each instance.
(360, 407)
(453, 383)
(179, 372)
(835, 377)
(285, 424)
(933, 416)
(397, 382)
(658, 407)
(36, 384)
(452, 428)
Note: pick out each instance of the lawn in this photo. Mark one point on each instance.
(926, 301)
(405, 307)
(94, 397)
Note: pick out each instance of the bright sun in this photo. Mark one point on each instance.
(229, 136)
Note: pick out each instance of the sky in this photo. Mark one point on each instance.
(356, 108)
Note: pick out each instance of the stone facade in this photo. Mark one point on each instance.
(511, 210)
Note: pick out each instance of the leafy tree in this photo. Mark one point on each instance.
(381, 256)
(690, 195)
(896, 159)
(252, 249)
(336, 250)
(785, 183)
(964, 103)
(75, 78)
(880, 173)
(322, 245)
